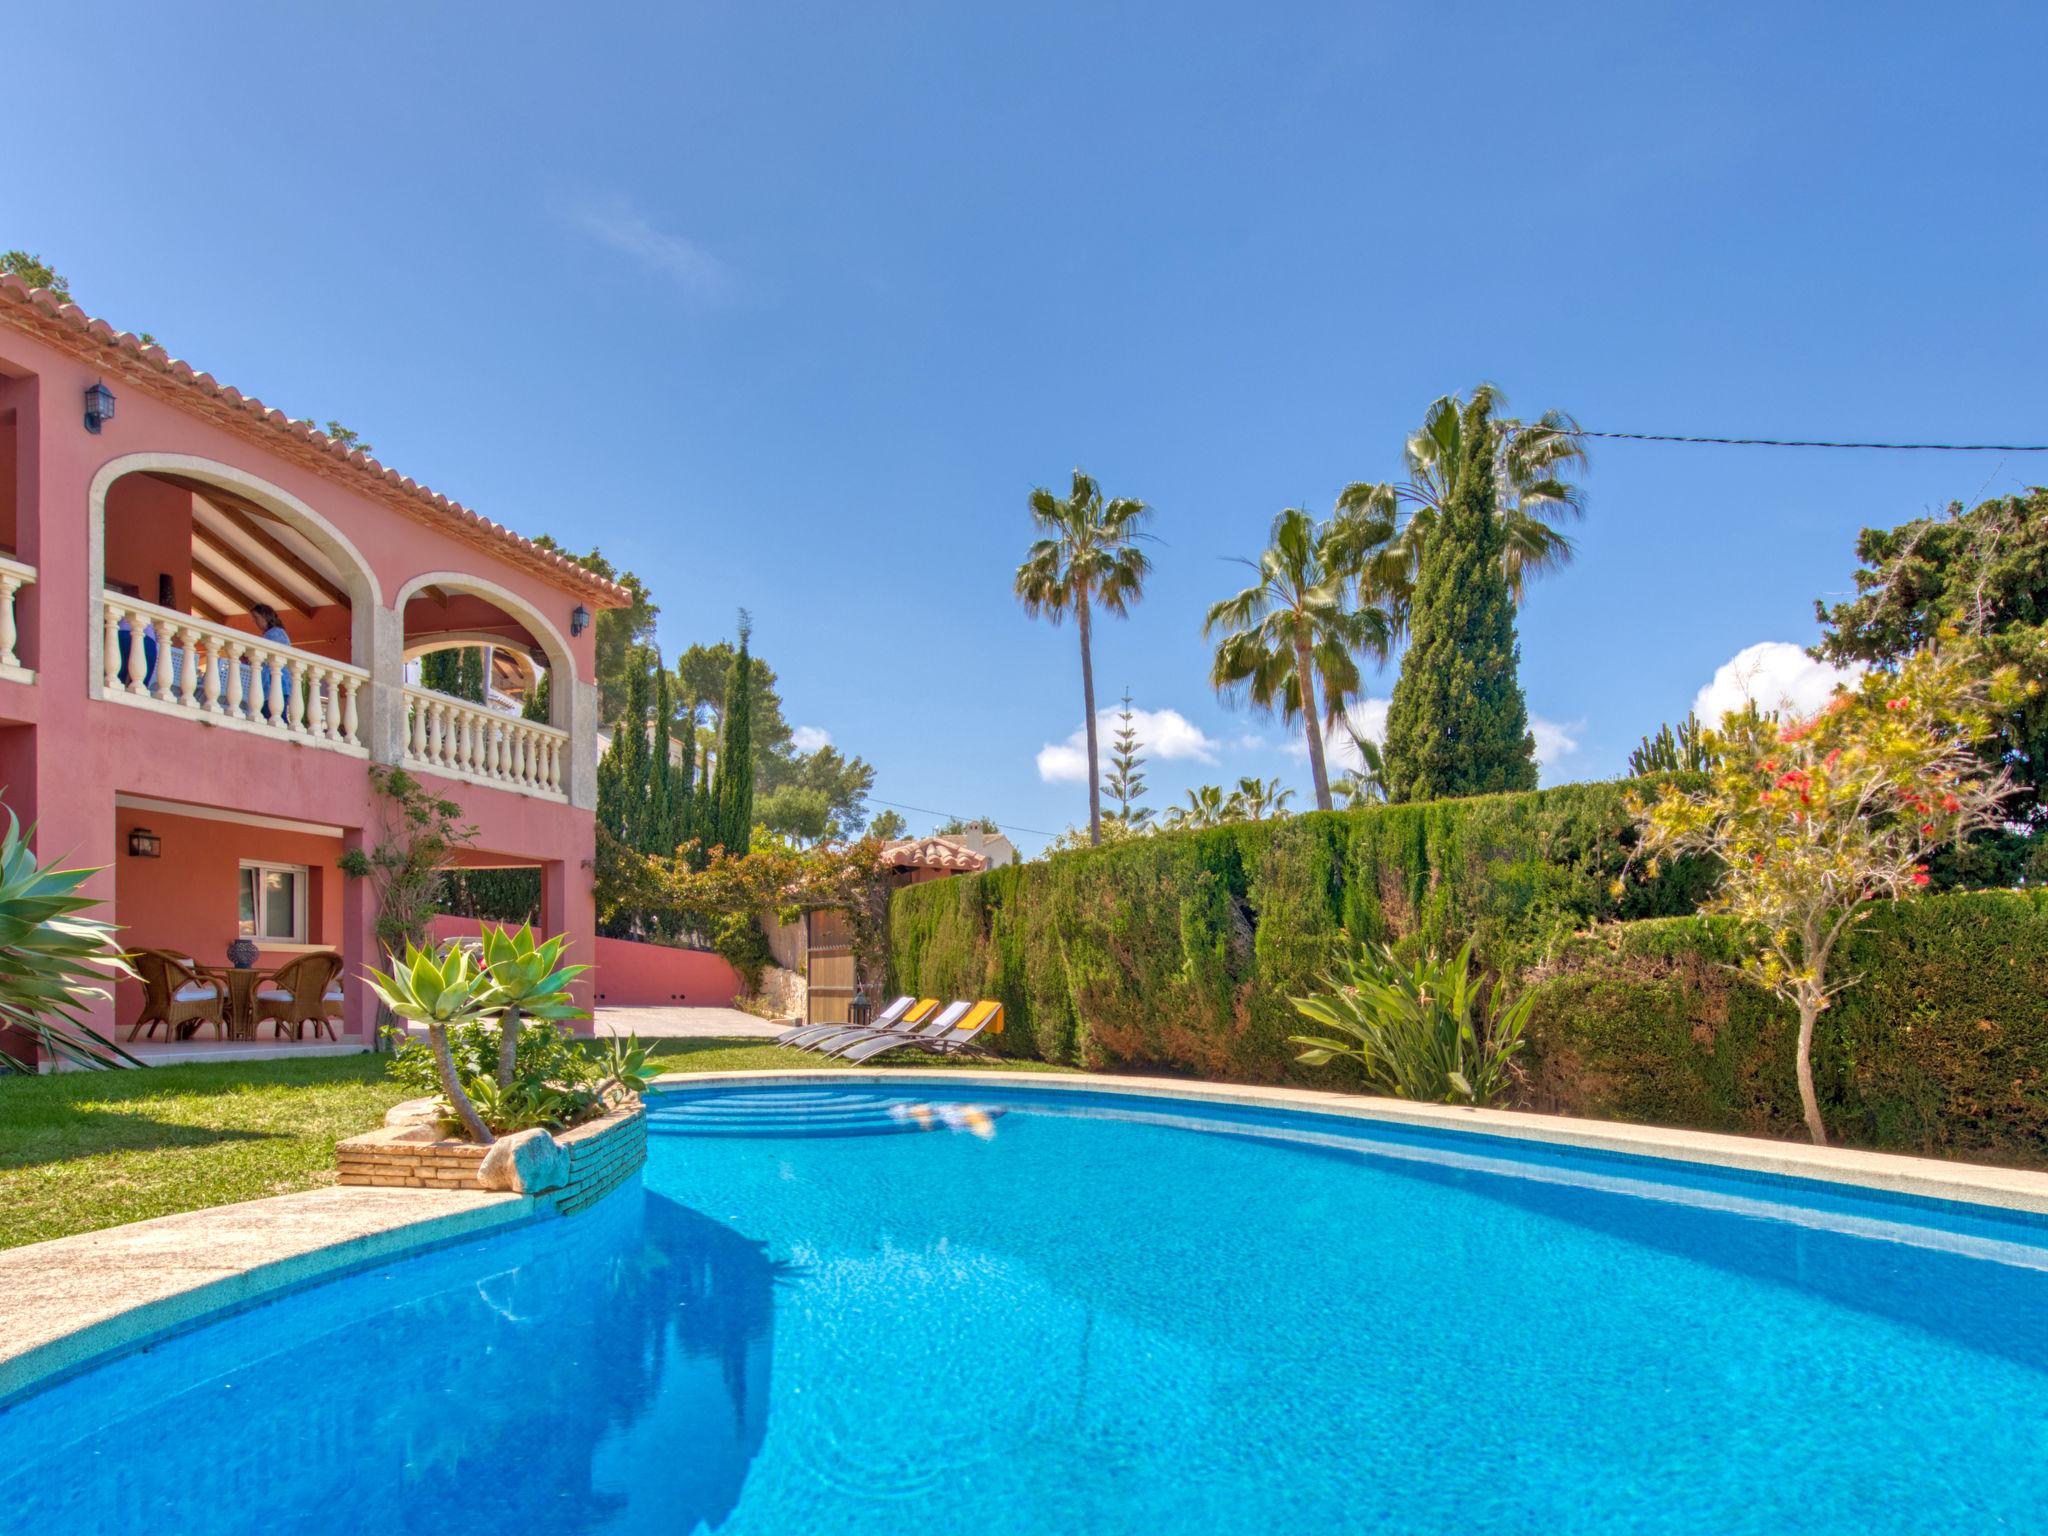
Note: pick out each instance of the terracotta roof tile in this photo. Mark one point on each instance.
(133, 353)
(933, 852)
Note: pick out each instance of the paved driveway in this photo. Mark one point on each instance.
(677, 1023)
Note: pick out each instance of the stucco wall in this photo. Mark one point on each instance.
(187, 899)
(631, 975)
(84, 750)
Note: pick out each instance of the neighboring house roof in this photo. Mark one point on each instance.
(71, 329)
(933, 853)
(998, 849)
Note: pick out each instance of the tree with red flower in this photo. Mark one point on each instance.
(1813, 820)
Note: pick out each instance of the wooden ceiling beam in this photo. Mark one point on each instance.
(289, 558)
(224, 581)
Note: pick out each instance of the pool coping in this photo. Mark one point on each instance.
(2014, 1189)
(73, 1302)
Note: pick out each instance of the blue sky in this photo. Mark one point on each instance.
(789, 307)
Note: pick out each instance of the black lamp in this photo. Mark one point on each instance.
(99, 406)
(579, 616)
(144, 844)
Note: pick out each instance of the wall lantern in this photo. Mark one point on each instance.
(144, 844)
(579, 619)
(99, 406)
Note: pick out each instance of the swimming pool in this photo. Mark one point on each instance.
(855, 1308)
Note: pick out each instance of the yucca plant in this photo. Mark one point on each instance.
(525, 980)
(1425, 1029)
(54, 960)
(439, 990)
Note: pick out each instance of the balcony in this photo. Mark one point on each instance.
(449, 736)
(157, 658)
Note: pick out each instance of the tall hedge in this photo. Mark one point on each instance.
(1180, 950)
(1940, 1049)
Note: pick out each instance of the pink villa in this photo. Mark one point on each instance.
(214, 776)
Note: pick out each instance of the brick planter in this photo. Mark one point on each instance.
(578, 1167)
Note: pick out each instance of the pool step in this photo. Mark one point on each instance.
(811, 1112)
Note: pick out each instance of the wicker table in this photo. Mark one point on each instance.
(240, 982)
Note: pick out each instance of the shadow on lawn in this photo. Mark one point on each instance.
(93, 1132)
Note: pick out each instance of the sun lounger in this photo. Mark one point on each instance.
(900, 1014)
(982, 1017)
(939, 1024)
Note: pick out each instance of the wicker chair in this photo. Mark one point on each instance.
(304, 991)
(176, 993)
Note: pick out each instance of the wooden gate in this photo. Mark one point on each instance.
(829, 966)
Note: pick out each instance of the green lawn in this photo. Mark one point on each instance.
(83, 1150)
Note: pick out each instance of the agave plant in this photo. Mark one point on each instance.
(623, 1065)
(525, 980)
(54, 960)
(1425, 1029)
(439, 990)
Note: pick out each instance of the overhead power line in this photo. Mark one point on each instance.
(1806, 442)
(949, 816)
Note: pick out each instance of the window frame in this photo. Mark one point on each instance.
(301, 875)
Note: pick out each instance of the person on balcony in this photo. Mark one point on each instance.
(272, 629)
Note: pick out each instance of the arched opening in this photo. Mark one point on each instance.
(481, 700)
(463, 643)
(223, 594)
(192, 540)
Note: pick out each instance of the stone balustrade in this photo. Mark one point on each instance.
(13, 577)
(451, 736)
(163, 659)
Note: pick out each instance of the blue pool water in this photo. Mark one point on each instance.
(850, 1310)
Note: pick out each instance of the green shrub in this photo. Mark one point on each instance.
(1424, 1029)
(555, 1082)
(1941, 1047)
(1179, 951)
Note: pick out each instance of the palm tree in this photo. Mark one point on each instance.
(1534, 466)
(1256, 799)
(1087, 555)
(1367, 783)
(1206, 807)
(1297, 632)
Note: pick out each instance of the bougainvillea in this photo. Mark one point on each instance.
(1814, 819)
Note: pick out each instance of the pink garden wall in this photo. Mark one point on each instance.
(632, 975)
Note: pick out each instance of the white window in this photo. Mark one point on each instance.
(274, 902)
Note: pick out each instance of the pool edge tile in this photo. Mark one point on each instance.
(1978, 1184)
(74, 1302)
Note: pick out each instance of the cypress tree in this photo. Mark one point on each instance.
(684, 779)
(538, 705)
(733, 787)
(459, 673)
(629, 740)
(441, 671)
(658, 835)
(1457, 724)
(610, 810)
(469, 677)
(704, 814)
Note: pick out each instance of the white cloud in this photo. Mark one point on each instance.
(613, 220)
(1553, 740)
(808, 738)
(1164, 735)
(1369, 718)
(1777, 675)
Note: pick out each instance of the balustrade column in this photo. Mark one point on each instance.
(9, 585)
